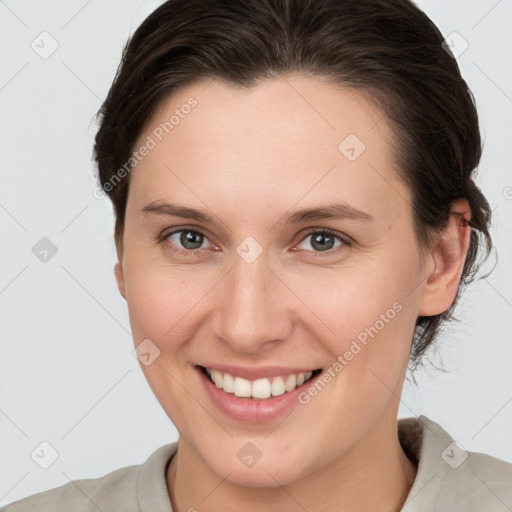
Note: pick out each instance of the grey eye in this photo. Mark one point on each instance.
(322, 241)
(188, 239)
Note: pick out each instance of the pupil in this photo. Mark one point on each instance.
(192, 238)
(321, 239)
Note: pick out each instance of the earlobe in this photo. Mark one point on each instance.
(119, 273)
(448, 254)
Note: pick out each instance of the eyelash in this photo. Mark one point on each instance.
(193, 252)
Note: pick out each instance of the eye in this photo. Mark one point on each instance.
(324, 241)
(191, 242)
(185, 240)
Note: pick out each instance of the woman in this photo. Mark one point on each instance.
(296, 216)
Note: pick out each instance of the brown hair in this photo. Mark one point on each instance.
(388, 50)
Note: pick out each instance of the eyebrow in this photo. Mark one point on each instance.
(330, 211)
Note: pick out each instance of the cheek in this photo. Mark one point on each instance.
(163, 306)
(365, 316)
(162, 300)
(359, 301)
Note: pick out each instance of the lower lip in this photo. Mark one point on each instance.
(251, 410)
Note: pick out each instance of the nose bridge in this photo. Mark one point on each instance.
(248, 314)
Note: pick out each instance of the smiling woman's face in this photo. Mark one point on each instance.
(260, 293)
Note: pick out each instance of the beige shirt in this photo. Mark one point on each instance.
(448, 479)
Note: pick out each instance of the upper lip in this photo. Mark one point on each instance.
(253, 373)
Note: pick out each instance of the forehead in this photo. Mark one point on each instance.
(286, 140)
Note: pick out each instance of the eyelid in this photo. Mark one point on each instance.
(347, 240)
(334, 232)
(165, 234)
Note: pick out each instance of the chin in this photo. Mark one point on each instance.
(262, 475)
(281, 467)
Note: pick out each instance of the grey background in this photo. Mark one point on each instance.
(68, 375)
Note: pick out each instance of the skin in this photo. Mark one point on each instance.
(295, 305)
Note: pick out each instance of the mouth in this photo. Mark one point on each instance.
(264, 388)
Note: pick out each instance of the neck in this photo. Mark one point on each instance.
(375, 474)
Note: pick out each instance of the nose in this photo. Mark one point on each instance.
(253, 311)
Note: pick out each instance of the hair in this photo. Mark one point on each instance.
(387, 50)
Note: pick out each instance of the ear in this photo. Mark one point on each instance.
(447, 256)
(119, 273)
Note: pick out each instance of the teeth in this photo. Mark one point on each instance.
(291, 383)
(260, 388)
(217, 378)
(242, 387)
(228, 384)
(278, 386)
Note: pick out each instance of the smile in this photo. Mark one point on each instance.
(254, 395)
(261, 388)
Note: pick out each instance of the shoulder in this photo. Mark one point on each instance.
(122, 489)
(450, 477)
(82, 495)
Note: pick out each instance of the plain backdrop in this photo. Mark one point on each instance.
(68, 376)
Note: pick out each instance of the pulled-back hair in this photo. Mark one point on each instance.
(387, 50)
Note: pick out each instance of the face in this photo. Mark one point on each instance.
(260, 289)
